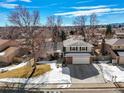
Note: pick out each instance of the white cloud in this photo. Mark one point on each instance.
(67, 24)
(90, 7)
(18, 0)
(80, 2)
(6, 5)
(83, 12)
(26, 0)
(101, 9)
(113, 12)
(10, 5)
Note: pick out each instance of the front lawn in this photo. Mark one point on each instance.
(25, 71)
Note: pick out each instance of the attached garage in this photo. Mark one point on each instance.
(81, 60)
(121, 57)
(68, 60)
(77, 58)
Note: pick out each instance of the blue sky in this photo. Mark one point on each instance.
(108, 11)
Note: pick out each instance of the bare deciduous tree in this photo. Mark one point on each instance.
(40, 44)
(27, 22)
(54, 23)
(51, 22)
(93, 24)
(93, 20)
(80, 22)
(59, 21)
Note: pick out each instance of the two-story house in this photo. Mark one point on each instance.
(77, 51)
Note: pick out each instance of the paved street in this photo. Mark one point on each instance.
(86, 74)
(66, 91)
(95, 91)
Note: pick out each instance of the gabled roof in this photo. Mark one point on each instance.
(75, 41)
(81, 43)
(121, 53)
(115, 42)
(4, 44)
(111, 41)
(119, 42)
(2, 41)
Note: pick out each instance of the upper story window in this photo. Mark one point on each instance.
(72, 48)
(119, 47)
(82, 48)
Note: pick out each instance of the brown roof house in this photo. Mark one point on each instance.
(116, 44)
(4, 44)
(117, 50)
(7, 51)
(77, 51)
(119, 35)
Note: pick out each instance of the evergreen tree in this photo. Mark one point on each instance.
(109, 31)
(63, 35)
(103, 52)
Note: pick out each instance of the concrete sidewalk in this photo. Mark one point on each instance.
(72, 86)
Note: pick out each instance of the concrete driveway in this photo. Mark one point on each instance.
(86, 74)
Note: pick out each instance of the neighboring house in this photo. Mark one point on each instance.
(120, 55)
(3, 44)
(117, 50)
(7, 51)
(77, 51)
(116, 44)
(120, 35)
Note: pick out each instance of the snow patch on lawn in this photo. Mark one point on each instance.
(13, 67)
(112, 73)
(56, 75)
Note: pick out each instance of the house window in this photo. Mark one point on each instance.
(82, 48)
(64, 49)
(118, 47)
(72, 48)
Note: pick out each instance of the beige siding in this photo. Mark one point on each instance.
(121, 60)
(119, 47)
(68, 60)
(114, 56)
(67, 49)
(4, 45)
(10, 53)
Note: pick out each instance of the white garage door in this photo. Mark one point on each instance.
(81, 60)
